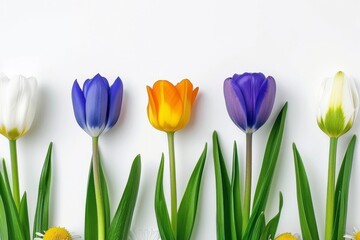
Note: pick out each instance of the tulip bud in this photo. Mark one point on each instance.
(170, 106)
(249, 99)
(338, 105)
(97, 107)
(17, 105)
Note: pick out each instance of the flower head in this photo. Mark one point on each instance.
(17, 105)
(170, 106)
(249, 99)
(97, 106)
(287, 236)
(338, 105)
(354, 236)
(56, 233)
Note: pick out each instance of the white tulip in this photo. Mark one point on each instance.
(17, 105)
(338, 105)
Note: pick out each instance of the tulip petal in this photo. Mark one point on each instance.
(96, 105)
(152, 108)
(170, 107)
(187, 95)
(115, 100)
(265, 101)
(78, 101)
(235, 103)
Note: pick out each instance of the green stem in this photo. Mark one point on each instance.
(15, 173)
(330, 189)
(98, 191)
(170, 136)
(247, 198)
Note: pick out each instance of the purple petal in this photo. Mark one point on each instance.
(115, 100)
(78, 101)
(249, 85)
(265, 101)
(235, 103)
(96, 105)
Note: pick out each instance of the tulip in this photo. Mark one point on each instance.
(17, 105)
(249, 99)
(286, 236)
(338, 105)
(169, 110)
(170, 106)
(97, 107)
(17, 110)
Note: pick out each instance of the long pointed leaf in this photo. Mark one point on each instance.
(91, 220)
(188, 205)
(161, 211)
(120, 225)
(41, 219)
(342, 191)
(267, 169)
(235, 198)
(270, 229)
(3, 222)
(258, 227)
(222, 192)
(306, 209)
(24, 217)
(14, 225)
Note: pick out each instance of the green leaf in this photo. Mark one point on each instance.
(161, 211)
(91, 225)
(12, 216)
(222, 192)
(270, 229)
(267, 169)
(188, 205)
(342, 191)
(120, 225)
(3, 222)
(305, 205)
(41, 219)
(258, 227)
(24, 217)
(235, 199)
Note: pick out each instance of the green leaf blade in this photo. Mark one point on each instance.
(161, 211)
(188, 205)
(222, 182)
(41, 219)
(120, 225)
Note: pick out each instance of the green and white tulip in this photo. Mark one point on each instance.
(338, 105)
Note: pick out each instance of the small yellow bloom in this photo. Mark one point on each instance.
(170, 106)
(56, 233)
(286, 236)
(355, 236)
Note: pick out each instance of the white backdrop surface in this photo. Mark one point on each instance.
(299, 43)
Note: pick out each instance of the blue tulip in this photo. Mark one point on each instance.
(97, 107)
(249, 99)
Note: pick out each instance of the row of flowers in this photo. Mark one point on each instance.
(249, 99)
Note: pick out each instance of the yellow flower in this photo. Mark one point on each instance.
(170, 106)
(286, 236)
(355, 236)
(55, 233)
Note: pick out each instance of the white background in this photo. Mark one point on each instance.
(299, 43)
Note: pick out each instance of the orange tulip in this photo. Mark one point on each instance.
(170, 106)
(286, 236)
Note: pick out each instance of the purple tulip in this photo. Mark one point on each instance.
(249, 99)
(97, 107)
